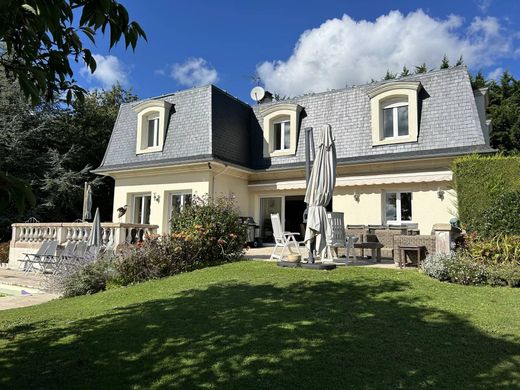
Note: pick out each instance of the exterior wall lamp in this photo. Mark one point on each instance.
(440, 193)
(156, 197)
(356, 196)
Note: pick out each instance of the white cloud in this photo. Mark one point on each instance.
(484, 5)
(345, 51)
(109, 71)
(194, 72)
(495, 74)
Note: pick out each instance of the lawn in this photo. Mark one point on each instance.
(253, 325)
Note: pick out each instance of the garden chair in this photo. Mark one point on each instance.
(338, 238)
(284, 240)
(30, 258)
(44, 260)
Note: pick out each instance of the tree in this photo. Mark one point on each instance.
(53, 148)
(460, 61)
(389, 75)
(41, 37)
(15, 192)
(404, 72)
(445, 64)
(478, 81)
(421, 68)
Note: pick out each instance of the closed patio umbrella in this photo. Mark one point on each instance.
(94, 240)
(87, 202)
(319, 191)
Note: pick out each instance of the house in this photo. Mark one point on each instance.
(395, 142)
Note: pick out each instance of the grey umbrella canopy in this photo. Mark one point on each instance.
(94, 240)
(320, 190)
(87, 202)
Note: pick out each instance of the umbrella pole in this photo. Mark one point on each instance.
(308, 138)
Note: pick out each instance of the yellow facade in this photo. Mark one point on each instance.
(359, 194)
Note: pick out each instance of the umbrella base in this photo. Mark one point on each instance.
(317, 266)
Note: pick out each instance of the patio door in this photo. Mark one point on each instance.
(268, 206)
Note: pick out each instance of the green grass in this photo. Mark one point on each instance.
(252, 325)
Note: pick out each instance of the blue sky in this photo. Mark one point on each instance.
(303, 46)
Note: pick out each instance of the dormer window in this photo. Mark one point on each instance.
(394, 112)
(280, 127)
(152, 120)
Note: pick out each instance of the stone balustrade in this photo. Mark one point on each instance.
(27, 237)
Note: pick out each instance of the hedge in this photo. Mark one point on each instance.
(481, 183)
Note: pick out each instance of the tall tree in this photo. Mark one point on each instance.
(42, 37)
(53, 148)
(404, 72)
(389, 75)
(421, 68)
(445, 64)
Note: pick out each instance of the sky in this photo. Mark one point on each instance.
(296, 47)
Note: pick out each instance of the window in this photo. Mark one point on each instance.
(153, 132)
(178, 202)
(394, 112)
(395, 119)
(398, 207)
(152, 121)
(280, 128)
(282, 135)
(142, 205)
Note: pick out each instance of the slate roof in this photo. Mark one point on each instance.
(208, 123)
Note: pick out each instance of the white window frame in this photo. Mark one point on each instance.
(394, 106)
(183, 201)
(398, 221)
(155, 143)
(134, 198)
(283, 124)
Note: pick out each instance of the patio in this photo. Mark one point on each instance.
(13, 282)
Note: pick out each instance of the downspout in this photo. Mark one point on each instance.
(213, 176)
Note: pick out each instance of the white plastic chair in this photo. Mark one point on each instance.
(284, 240)
(338, 238)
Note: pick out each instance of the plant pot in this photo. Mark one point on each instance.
(293, 258)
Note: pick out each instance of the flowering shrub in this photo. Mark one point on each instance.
(437, 265)
(213, 226)
(157, 257)
(494, 261)
(464, 270)
(206, 233)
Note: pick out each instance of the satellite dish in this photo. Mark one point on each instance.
(257, 94)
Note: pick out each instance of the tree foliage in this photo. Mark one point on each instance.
(41, 38)
(52, 148)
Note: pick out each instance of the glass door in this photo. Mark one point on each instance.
(269, 206)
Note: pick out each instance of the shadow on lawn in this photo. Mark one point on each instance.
(305, 335)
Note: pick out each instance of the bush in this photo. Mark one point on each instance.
(464, 270)
(500, 249)
(437, 265)
(479, 182)
(88, 278)
(502, 216)
(4, 252)
(504, 274)
(214, 225)
(157, 258)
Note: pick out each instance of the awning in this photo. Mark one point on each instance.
(365, 180)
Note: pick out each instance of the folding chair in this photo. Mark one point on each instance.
(283, 239)
(46, 260)
(30, 258)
